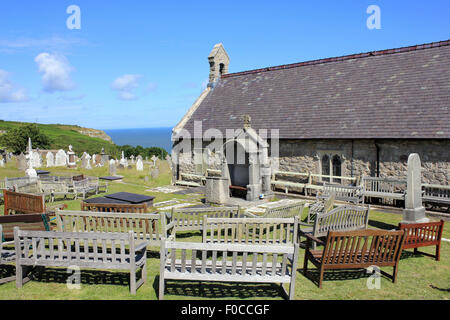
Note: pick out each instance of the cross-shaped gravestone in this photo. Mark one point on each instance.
(154, 158)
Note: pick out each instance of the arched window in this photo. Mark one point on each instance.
(325, 167)
(337, 168)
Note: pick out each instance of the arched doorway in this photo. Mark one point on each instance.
(238, 168)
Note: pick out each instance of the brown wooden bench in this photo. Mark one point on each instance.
(355, 250)
(16, 202)
(32, 221)
(423, 235)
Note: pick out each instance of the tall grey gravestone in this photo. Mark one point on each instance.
(414, 211)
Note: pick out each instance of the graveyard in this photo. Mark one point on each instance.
(419, 276)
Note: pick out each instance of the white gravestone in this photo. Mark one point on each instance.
(154, 159)
(414, 211)
(50, 159)
(61, 158)
(112, 167)
(139, 165)
(36, 159)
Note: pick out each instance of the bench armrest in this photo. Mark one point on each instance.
(141, 246)
(310, 238)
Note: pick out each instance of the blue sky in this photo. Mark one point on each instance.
(141, 64)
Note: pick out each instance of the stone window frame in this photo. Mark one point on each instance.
(331, 154)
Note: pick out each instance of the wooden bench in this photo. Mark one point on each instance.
(342, 218)
(250, 230)
(83, 187)
(384, 188)
(56, 188)
(191, 219)
(434, 194)
(423, 235)
(82, 249)
(7, 255)
(115, 207)
(228, 263)
(148, 228)
(31, 221)
(352, 194)
(284, 211)
(355, 250)
(320, 206)
(16, 202)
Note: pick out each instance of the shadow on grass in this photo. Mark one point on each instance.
(7, 271)
(382, 225)
(219, 290)
(440, 289)
(335, 275)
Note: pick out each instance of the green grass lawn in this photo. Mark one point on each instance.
(419, 277)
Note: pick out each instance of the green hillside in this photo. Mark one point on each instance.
(62, 136)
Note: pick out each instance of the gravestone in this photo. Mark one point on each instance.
(154, 159)
(88, 159)
(36, 159)
(71, 163)
(104, 158)
(50, 159)
(414, 211)
(154, 173)
(132, 159)
(139, 165)
(112, 167)
(30, 172)
(98, 160)
(21, 162)
(123, 160)
(60, 158)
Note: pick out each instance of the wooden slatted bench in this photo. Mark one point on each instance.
(83, 187)
(352, 194)
(423, 235)
(7, 255)
(148, 227)
(191, 219)
(31, 221)
(434, 194)
(342, 218)
(355, 250)
(284, 211)
(115, 207)
(384, 188)
(250, 230)
(16, 202)
(82, 249)
(228, 263)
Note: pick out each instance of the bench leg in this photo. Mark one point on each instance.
(321, 276)
(438, 252)
(133, 280)
(20, 279)
(161, 287)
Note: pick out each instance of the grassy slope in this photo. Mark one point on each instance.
(63, 135)
(419, 277)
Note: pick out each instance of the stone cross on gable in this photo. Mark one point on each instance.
(247, 121)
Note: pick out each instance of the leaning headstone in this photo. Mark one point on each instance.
(50, 158)
(414, 211)
(61, 158)
(112, 167)
(21, 162)
(139, 165)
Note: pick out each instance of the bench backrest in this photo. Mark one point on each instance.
(82, 249)
(383, 184)
(31, 187)
(353, 194)
(11, 182)
(16, 202)
(192, 218)
(229, 260)
(285, 211)
(54, 186)
(422, 234)
(114, 207)
(434, 192)
(363, 248)
(32, 221)
(146, 227)
(250, 230)
(342, 218)
(81, 184)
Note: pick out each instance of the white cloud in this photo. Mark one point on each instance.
(53, 43)
(124, 85)
(10, 92)
(56, 72)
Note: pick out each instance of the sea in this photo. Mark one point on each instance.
(145, 137)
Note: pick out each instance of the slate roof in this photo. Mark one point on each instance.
(397, 93)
